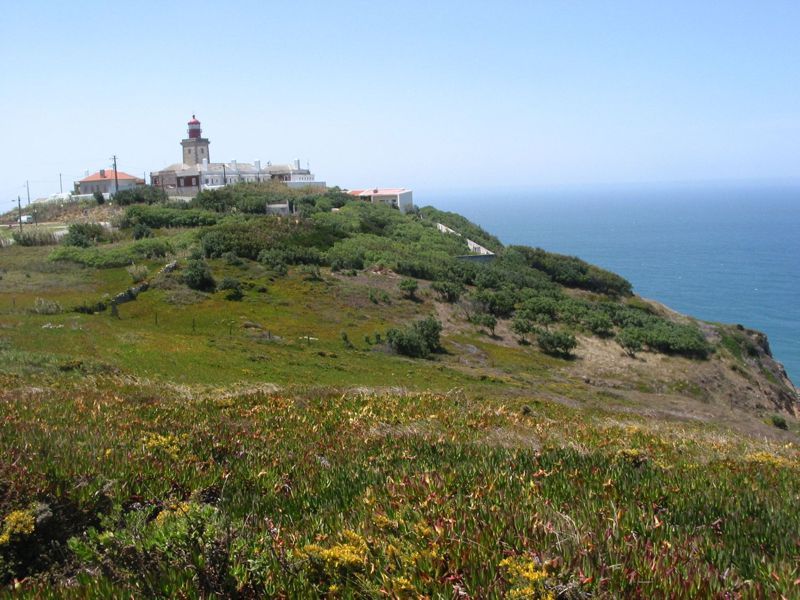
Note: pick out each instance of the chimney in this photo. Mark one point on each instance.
(297, 163)
(258, 165)
(102, 172)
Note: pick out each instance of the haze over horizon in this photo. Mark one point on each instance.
(432, 96)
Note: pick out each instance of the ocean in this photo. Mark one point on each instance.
(726, 253)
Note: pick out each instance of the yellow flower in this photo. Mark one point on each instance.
(527, 579)
(17, 524)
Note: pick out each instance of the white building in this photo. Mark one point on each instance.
(399, 198)
(196, 172)
(106, 181)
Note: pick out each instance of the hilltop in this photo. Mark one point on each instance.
(206, 400)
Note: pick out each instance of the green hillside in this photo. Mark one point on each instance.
(205, 401)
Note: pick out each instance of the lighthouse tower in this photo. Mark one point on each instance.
(195, 147)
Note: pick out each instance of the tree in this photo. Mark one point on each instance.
(486, 320)
(448, 291)
(556, 343)
(409, 287)
(522, 327)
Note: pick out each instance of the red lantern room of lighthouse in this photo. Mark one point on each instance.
(194, 128)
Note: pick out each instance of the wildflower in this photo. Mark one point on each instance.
(179, 509)
(632, 456)
(384, 523)
(403, 587)
(16, 525)
(527, 578)
(766, 458)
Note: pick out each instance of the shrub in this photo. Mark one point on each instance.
(113, 257)
(141, 231)
(145, 194)
(486, 320)
(198, 276)
(417, 340)
(630, 340)
(83, 235)
(99, 198)
(574, 272)
(599, 323)
(346, 340)
(310, 273)
(161, 216)
(779, 422)
(556, 343)
(448, 291)
(498, 303)
(43, 306)
(522, 327)
(138, 272)
(234, 287)
(232, 259)
(409, 287)
(35, 237)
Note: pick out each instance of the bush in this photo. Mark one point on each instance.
(113, 257)
(198, 276)
(310, 273)
(448, 291)
(522, 327)
(141, 231)
(83, 235)
(409, 287)
(599, 324)
(161, 216)
(137, 272)
(35, 237)
(486, 320)
(99, 198)
(574, 272)
(234, 287)
(556, 343)
(232, 259)
(145, 194)
(630, 340)
(417, 340)
(43, 306)
(779, 422)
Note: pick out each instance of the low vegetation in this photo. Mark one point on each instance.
(333, 404)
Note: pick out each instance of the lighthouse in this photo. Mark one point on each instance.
(195, 146)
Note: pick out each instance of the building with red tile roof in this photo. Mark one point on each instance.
(105, 182)
(399, 198)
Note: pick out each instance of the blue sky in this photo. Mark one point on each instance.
(433, 95)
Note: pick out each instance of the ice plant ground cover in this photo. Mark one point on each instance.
(173, 491)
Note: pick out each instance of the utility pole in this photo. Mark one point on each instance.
(19, 212)
(116, 180)
(60, 183)
(224, 177)
(28, 187)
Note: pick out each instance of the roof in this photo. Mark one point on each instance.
(108, 174)
(194, 121)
